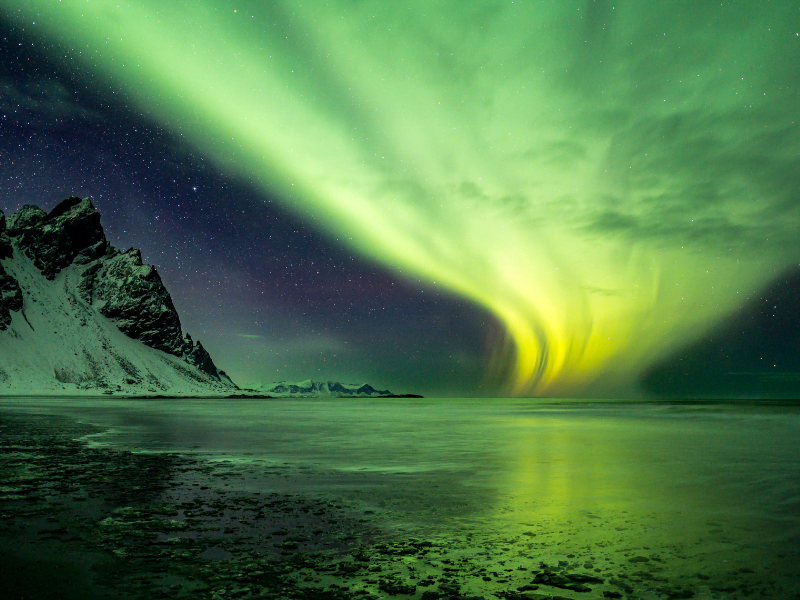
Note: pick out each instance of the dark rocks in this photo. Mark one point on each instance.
(450, 588)
(565, 582)
(94, 252)
(522, 595)
(6, 250)
(677, 593)
(395, 588)
(118, 285)
(54, 240)
(134, 297)
(195, 354)
(583, 578)
(86, 284)
(621, 584)
(10, 293)
(25, 223)
(435, 595)
(10, 297)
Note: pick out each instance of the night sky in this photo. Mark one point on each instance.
(484, 198)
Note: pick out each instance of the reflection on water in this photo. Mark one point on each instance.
(701, 486)
(692, 490)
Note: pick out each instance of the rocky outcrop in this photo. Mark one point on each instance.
(10, 292)
(23, 224)
(6, 249)
(134, 297)
(196, 355)
(54, 240)
(10, 298)
(115, 284)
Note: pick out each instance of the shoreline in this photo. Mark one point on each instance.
(95, 520)
(104, 395)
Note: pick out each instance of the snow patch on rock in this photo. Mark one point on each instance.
(77, 316)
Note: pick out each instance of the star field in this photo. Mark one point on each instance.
(269, 296)
(546, 198)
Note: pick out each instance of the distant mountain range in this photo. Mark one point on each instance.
(321, 389)
(78, 316)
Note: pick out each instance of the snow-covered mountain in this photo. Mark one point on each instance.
(78, 316)
(317, 388)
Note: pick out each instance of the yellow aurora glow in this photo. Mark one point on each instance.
(607, 180)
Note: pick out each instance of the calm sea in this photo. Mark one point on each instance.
(709, 488)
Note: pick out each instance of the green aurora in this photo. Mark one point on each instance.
(608, 179)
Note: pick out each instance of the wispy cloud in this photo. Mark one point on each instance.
(43, 97)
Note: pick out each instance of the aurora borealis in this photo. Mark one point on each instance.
(608, 180)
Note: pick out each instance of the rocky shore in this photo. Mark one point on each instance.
(83, 520)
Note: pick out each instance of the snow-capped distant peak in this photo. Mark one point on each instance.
(309, 387)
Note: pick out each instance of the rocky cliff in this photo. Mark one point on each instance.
(76, 313)
(10, 292)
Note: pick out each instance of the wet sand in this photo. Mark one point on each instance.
(82, 521)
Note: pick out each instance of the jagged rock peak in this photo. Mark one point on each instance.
(127, 291)
(10, 298)
(70, 232)
(117, 285)
(10, 292)
(134, 297)
(28, 217)
(195, 354)
(6, 249)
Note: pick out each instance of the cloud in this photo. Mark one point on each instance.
(46, 98)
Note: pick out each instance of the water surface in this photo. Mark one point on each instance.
(699, 493)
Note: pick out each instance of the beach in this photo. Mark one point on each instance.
(426, 500)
